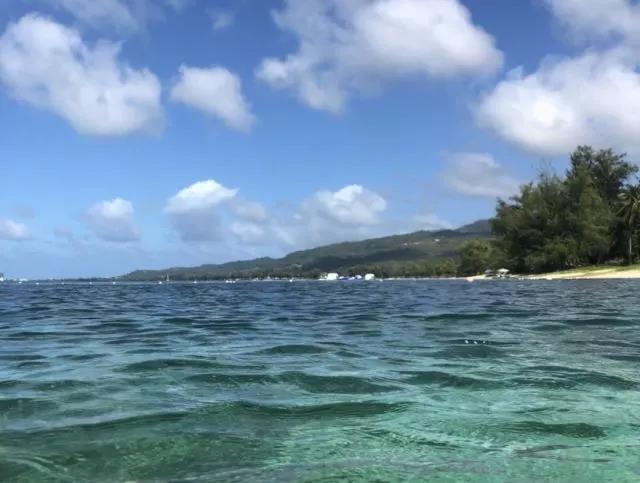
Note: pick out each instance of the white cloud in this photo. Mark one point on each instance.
(49, 66)
(352, 46)
(591, 99)
(598, 18)
(214, 91)
(207, 211)
(14, 231)
(194, 210)
(352, 205)
(476, 174)
(221, 19)
(251, 232)
(112, 220)
(201, 195)
(250, 210)
(99, 12)
(124, 15)
(350, 213)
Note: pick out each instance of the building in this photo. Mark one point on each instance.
(1, 277)
(330, 277)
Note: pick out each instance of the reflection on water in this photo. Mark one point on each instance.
(438, 380)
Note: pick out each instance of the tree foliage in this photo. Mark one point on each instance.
(629, 211)
(565, 222)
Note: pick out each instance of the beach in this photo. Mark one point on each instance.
(592, 273)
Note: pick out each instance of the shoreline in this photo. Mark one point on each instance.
(586, 273)
(592, 273)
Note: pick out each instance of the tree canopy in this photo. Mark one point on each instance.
(559, 222)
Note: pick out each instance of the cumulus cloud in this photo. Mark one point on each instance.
(216, 92)
(48, 65)
(251, 232)
(207, 211)
(590, 99)
(598, 18)
(351, 205)
(194, 210)
(14, 231)
(250, 210)
(327, 216)
(477, 174)
(112, 221)
(200, 195)
(353, 46)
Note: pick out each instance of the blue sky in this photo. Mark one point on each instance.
(145, 134)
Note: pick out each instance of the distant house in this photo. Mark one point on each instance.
(2, 277)
(330, 277)
(369, 276)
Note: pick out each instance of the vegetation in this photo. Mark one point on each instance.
(587, 217)
(629, 210)
(419, 254)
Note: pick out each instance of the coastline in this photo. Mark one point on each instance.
(591, 273)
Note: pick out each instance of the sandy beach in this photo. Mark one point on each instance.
(594, 273)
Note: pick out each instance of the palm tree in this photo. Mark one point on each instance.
(630, 212)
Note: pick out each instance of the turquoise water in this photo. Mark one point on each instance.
(395, 381)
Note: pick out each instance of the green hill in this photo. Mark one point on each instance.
(419, 253)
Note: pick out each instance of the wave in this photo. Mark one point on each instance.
(471, 351)
(334, 384)
(571, 430)
(446, 379)
(232, 379)
(160, 364)
(567, 377)
(293, 349)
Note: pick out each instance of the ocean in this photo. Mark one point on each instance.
(490, 381)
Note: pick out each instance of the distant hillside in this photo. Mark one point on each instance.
(390, 256)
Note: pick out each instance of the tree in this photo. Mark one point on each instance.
(555, 224)
(630, 212)
(588, 217)
(609, 170)
(475, 257)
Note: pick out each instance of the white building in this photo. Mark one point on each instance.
(369, 276)
(330, 277)
(2, 277)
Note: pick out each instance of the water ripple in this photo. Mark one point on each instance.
(394, 381)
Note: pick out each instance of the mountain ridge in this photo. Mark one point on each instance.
(382, 255)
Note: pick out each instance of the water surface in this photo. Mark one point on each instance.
(308, 381)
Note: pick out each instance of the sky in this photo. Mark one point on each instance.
(155, 133)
